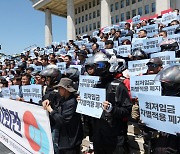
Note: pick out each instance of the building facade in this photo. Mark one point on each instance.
(85, 16)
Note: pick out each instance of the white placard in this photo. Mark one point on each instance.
(107, 30)
(160, 112)
(122, 25)
(88, 81)
(124, 50)
(91, 101)
(137, 67)
(88, 45)
(25, 128)
(151, 30)
(138, 43)
(61, 66)
(168, 17)
(152, 45)
(170, 30)
(167, 57)
(14, 91)
(136, 19)
(33, 92)
(116, 44)
(101, 45)
(95, 33)
(145, 85)
(5, 92)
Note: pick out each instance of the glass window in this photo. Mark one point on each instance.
(86, 28)
(82, 8)
(139, 0)
(83, 29)
(98, 13)
(79, 10)
(127, 2)
(76, 31)
(140, 11)
(89, 16)
(79, 20)
(146, 9)
(94, 25)
(85, 6)
(75, 11)
(122, 16)
(82, 18)
(86, 17)
(117, 18)
(127, 15)
(133, 12)
(89, 4)
(133, 1)
(94, 3)
(94, 14)
(112, 7)
(98, 24)
(75, 21)
(79, 30)
(154, 7)
(122, 3)
(116, 5)
(90, 27)
(112, 20)
(98, 2)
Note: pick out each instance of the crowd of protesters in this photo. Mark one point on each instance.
(108, 134)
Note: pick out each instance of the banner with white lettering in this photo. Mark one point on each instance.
(152, 45)
(170, 30)
(91, 100)
(145, 84)
(166, 57)
(168, 17)
(124, 50)
(25, 128)
(61, 66)
(88, 81)
(160, 112)
(137, 67)
(14, 91)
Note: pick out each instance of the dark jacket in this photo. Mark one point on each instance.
(111, 129)
(69, 124)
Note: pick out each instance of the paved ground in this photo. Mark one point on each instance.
(4, 149)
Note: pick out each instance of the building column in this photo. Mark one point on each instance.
(105, 13)
(161, 6)
(48, 28)
(70, 20)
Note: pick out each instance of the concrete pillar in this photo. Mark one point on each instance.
(162, 5)
(105, 13)
(177, 4)
(70, 20)
(48, 27)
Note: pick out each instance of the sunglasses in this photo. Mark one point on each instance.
(153, 65)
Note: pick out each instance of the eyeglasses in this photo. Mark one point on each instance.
(153, 65)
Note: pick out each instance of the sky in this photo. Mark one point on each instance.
(22, 26)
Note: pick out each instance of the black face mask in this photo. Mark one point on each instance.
(171, 89)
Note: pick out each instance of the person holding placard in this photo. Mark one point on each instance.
(67, 121)
(110, 131)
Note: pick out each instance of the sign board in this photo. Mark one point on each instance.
(91, 101)
(158, 111)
